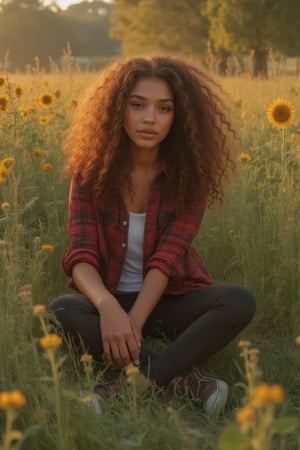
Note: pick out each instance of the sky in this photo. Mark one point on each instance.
(65, 3)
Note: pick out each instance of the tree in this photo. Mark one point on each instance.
(154, 25)
(254, 26)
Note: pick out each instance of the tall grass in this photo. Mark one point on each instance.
(253, 239)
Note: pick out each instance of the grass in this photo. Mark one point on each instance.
(253, 239)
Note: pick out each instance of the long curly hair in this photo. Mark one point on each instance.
(197, 150)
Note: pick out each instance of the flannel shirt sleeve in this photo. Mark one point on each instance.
(82, 230)
(176, 241)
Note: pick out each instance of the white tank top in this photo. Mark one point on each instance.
(132, 275)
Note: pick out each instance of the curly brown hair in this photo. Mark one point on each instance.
(196, 151)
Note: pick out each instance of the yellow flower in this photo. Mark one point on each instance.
(50, 341)
(86, 358)
(4, 102)
(46, 99)
(5, 206)
(4, 172)
(11, 399)
(25, 110)
(18, 91)
(276, 394)
(281, 113)
(2, 242)
(260, 394)
(43, 120)
(47, 167)
(47, 248)
(7, 162)
(265, 393)
(297, 340)
(37, 240)
(243, 343)
(131, 370)
(230, 232)
(245, 417)
(39, 310)
(2, 81)
(57, 93)
(244, 157)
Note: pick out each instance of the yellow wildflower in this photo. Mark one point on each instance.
(260, 394)
(47, 167)
(43, 120)
(51, 341)
(245, 417)
(39, 310)
(5, 206)
(37, 240)
(7, 162)
(47, 248)
(276, 394)
(244, 157)
(86, 358)
(231, 232)
(4, 172)
(12, 399)
(297, 340)
(265, 393)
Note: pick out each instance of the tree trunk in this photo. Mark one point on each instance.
(258, 63)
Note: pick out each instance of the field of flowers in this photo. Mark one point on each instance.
(46, 399)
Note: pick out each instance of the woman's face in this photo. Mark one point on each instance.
(149, 113)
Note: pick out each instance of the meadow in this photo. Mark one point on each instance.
(253, 238)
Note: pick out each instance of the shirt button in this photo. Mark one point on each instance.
(124, 223)
(123, 245)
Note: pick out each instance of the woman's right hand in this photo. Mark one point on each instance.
(120, 338)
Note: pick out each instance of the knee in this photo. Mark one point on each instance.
(242, 303)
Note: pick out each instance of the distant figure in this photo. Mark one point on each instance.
(147, 151)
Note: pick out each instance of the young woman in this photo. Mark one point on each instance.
(148, 150)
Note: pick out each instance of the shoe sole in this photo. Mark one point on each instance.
(217, 401)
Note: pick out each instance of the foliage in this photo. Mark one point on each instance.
(151, 25)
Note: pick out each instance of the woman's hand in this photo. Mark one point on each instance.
(121, 339)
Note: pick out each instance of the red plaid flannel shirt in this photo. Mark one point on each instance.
(98, 236)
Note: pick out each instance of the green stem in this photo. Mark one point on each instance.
(10, 417)
(55, 375)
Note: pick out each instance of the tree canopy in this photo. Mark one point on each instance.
(28, 28)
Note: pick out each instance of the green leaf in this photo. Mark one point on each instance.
(285, 425)
(233, 439)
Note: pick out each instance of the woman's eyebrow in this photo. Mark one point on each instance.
(141, 97)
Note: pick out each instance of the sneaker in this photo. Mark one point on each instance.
(210, 394)
(108, 390)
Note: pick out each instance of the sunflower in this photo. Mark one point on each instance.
(18, 91)
(281, 113)
(2, 80)
(46, 99)
(4, 102)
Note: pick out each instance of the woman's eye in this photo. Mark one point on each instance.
(165, 108)
(137, 105)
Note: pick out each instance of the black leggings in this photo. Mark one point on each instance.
(198, 324)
